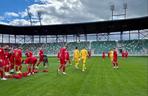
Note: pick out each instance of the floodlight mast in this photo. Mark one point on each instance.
(112, 8)
(29, 15)
(39, 13)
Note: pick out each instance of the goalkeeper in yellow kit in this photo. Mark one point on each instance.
(84, 55)
(76, 57)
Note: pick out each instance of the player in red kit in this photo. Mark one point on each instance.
(41, 57)
(2, 64)
(31, 60)
(67, 56)
(103, 55)
(27, 54)
(126, 54)
(62, 59)
(11, 59)
(123, 54)
(7, 62)
(18, 60)
(115, 59)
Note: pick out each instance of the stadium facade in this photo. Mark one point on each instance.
(127, 34)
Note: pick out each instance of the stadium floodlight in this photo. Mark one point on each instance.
(39, 13)
(29, 15)
(112, 8)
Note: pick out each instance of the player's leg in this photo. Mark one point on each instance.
(60, 66)
(83, 64)
(45, 64)
(2, 70)
(117, 64)
(20, 65)
(7, 69)
(33, 65)
(2, 73)
(114, 64)
(40, 61)
(29, 69)
(64, 68)
(76, 63)
(12, 67)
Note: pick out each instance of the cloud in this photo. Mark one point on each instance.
(75, 11)
(64, 11)
(19, 22)
(1, 18)
(11, 14)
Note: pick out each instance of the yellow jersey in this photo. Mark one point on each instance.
(111, 54)
(76, 53)
(84, 53)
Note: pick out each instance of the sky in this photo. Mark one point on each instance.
(14, 12)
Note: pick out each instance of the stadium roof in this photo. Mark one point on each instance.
(78, 28)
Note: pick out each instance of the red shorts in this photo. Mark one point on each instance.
(115, 60)
(62, 61)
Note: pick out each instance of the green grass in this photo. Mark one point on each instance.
(100, 79)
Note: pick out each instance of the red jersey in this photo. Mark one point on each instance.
(62, 54)
(115, 56)
(18, 53)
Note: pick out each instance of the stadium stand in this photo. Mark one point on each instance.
(97, 47)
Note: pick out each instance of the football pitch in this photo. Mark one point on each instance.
(100, 79)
